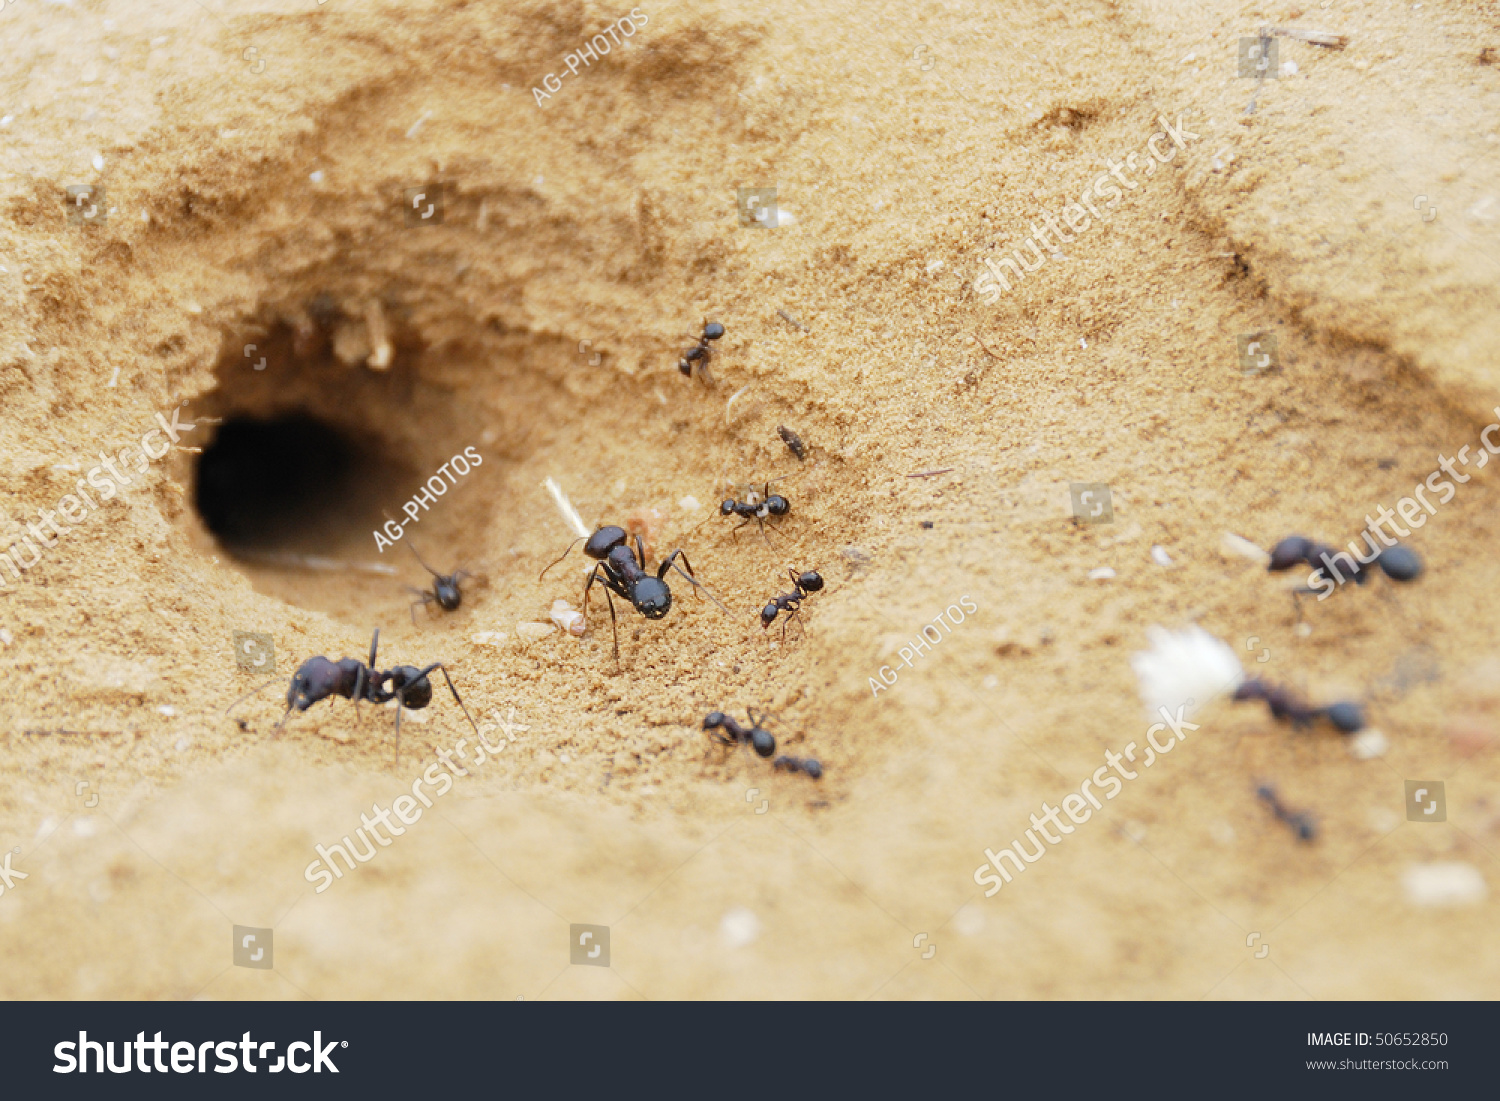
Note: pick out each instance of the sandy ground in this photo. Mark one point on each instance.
(255, 160)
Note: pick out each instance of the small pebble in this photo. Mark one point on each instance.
(689, 504)
(1369, 744)
(567, 618)
(739, 927)
(1235, 546)
(316, 177)
(1160, 556)
(167, 709)
(98, 162)
(1444, 883)
(1103, 573)
(530, 632)
(6, 638)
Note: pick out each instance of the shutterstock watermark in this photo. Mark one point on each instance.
(1328, 577)
(1078, 214)
(1080, 805)
(72, 506)
(406, 807)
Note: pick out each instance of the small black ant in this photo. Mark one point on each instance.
(1346, 716)
(726, 731)
(793, 442)
(319, 678)
(806, 584)
(1396, 562)
(623, 572)
(771, 504)
(701, 353)
(444, 592)
(1301, 822)
(808, 765)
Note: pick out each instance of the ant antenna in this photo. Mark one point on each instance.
(413, 548)
(250, 693)
(564, 554)
(700, 585)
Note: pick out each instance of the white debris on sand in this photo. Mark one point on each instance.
(1183, 666)
(567, 618)
(1443, 883)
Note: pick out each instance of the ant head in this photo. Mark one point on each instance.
(415, 690)
(446, 591)
(777, 505)
(714, 719)
(712, 330)
(768, 614)
(1290, 551)
(651, 597)
(726, 507)
(811, 581)
(317, 680)
(1346, 716)
(812, 768)
(605, 540)
(762, 742)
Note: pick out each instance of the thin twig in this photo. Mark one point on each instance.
(930, 473)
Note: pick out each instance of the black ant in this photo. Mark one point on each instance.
(319, 678)
(623, 572)
(1397, 562)
(1346, 716)
(770, 504)
(1301, 822)
(808, 583)
(701, 353)
(444, 590)
(808, 765)
(726, 731)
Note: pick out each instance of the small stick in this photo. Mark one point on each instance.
(1317, 38)
(730, 404)
(930, 473)
(792, 320)
(569, 513)
(982, 344)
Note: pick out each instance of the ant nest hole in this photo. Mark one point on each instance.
(329, 415)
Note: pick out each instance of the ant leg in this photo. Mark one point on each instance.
(400, 704)
(560, 557)
(281, 722)
(415, 604)
(640, 553)
(442, 669)
(614, 629)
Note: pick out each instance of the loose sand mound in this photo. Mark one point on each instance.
(258, 256)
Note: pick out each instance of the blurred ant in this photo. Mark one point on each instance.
(770, 504)
(808, 583)
(808, 765)
(1301, 822)
(444, 590)
(1346, 716)
(319, 678)
(623, 572)
(701, 353)
(1397, 562)
(726, 731)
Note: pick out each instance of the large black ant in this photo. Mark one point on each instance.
(770, 504)
(445, 591)
(809, 582)
(319, 678)
(726, 731)
(701, 353)
(1285, 707)
(623, 572)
